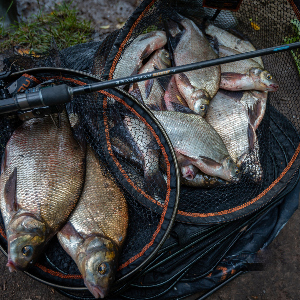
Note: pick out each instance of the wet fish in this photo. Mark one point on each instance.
(230, 119)
(245, 74)
(96, 230)
(151, 91)
(139, 49)
(42, 176)
(198, 87)
(145, 141)
(231, 41)
(202, 180)
(194, 138)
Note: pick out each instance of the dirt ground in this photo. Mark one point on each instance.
(280, 277)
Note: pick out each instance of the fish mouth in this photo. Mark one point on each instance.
(11, 266)
(274, 87)
(97, 291)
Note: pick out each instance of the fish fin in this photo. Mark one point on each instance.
(214, 43)
(231, 76)
(255, 114)
(10, 192)
(184, 79)
(145, 53)
(135, 71)
(174, 38)
(163, 103)
(156, 186)
(148, 87)
(181, 108)
(77, 130)
(164, 82)
(135, 92)
(251, 137)
(154, 107)
(210, 162)
(68, 230)
(3, 161)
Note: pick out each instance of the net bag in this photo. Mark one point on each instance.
(101, 115)
(232, 201)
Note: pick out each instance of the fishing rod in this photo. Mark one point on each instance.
(60, 94)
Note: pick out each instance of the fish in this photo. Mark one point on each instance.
(197, 87)
(229, 117)
(42, 176)
(192, 137)
(97, 228)
(150, 151)
(151, 91)
(245, 74)
(133, 56)
(202, 180)
(231, 41)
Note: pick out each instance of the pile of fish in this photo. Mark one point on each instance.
(52, 183)
(211, 115)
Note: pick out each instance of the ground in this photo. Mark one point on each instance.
(280, 277)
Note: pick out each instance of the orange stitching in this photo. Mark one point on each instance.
(295, 9)
(58, 274)
(2, 232)
(31, 77)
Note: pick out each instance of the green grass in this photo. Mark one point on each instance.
(295, 38)
(36, 35)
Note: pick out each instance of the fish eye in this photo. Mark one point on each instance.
(269, 76)
(27, 250)
(102, 268)
(237, 171)
(202, 107)
(167, 55)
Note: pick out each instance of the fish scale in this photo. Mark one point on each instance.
(42, 175)
(186, 51)
(97, 228)
(194, 138)
(230, 119)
